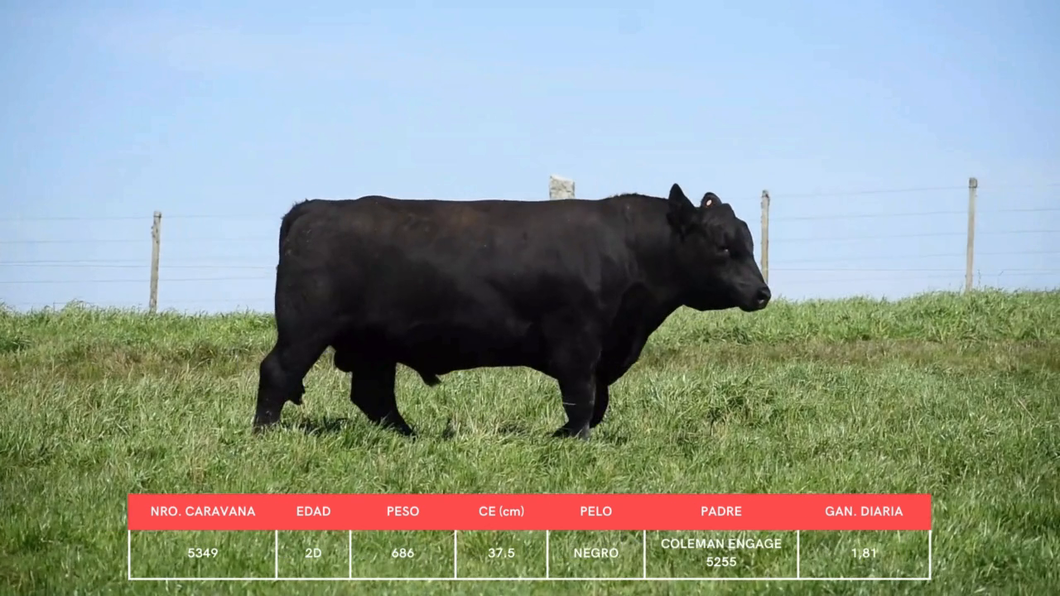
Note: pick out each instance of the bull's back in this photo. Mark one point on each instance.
(421, 246)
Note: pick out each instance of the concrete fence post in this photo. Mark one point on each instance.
(560, 188)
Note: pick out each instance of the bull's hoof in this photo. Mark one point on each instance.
(264, 420)
(567, 432)
(401, 429)
(396, 423)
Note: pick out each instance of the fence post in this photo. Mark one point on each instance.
(560, 188)
(156, 245)
(973, 185)
(765, 235)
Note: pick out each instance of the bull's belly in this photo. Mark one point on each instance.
(437, 349)
(444, 355)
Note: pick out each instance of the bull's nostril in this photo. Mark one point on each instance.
(763, 295)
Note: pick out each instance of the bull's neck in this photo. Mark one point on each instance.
(653, 244)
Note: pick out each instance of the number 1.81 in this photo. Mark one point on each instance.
(864, 553)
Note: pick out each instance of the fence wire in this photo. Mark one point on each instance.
(874, 242)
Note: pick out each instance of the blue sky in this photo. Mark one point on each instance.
(221, 115)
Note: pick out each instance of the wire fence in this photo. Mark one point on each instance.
(877, 243)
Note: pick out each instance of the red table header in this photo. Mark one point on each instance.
(529, 512)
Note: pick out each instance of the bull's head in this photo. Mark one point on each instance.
(714, 251)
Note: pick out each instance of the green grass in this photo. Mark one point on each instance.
(957, 396)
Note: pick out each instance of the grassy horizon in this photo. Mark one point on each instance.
(949, 394)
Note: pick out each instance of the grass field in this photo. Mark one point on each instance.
(957, 396)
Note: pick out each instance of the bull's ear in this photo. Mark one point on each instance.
(709, 200)
(682, 211)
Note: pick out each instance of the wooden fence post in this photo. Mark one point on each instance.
(560, 188)
(973, 186)
(765, 235)
(156, 245)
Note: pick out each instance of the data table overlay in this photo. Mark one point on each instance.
(529, 537)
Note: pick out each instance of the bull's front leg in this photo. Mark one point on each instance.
(574, 367)
(579, 392)
(574, 353)
(603, 396)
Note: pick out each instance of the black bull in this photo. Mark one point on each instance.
(572, 289)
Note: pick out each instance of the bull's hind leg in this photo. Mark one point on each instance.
(372, 390)
(280, 378)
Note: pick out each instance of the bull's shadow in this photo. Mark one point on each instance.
(319, 426)
(508, 430)
(333, 425)
(518, 431)
(328, 425)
